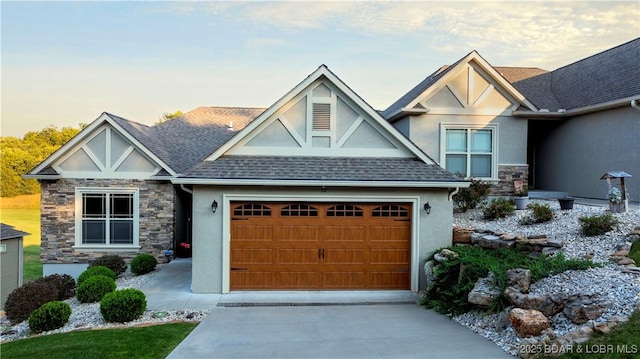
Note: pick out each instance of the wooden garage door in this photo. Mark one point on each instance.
(344, 246)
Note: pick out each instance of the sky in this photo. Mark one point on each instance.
(64, 63)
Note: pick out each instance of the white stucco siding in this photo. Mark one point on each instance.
(211, 230)
(512, 134)
(573, 156)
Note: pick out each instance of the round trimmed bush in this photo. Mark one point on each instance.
(49, 316)
(65, 284)
(123, 305)
(23, 300)
(143, 263)
(94, 288)
(95, 271)
(111, 261)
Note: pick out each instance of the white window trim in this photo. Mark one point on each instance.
(462, 126)
(106, 247)
(3, 248)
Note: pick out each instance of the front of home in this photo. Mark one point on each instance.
(317, 192)
(322, 192)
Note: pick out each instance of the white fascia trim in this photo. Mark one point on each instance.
(576, 111)
(407, 111)
(42, 177)
(249, 182)
(226, 224)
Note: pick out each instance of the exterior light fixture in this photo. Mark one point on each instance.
(427, 207)
(214, 206)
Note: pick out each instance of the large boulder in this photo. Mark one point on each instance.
(485, 292)
(547, 304)
(528, 322)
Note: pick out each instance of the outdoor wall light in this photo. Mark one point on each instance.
(214, 206)
(427, 207)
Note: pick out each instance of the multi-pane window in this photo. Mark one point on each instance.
(470, 151)
(252, 209)
(107, 217)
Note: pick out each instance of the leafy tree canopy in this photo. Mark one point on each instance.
(168, 116)
(19, 155)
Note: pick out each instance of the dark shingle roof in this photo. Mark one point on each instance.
(515, 74)
(185, 141)
(8, 232)
(320, 168)
(607, 76)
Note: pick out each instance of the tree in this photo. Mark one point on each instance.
(19, 156)
(168, 116)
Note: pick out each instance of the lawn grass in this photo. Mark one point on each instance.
(155, 341)
(26, 220)
(32, 267)
(622, 342)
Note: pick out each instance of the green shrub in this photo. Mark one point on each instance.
(49, 316)
(498, 208)
(471, 197)
(540, 213)
(64, 283)
(95, 271)
(143, 263)
(123, 305)
(111, 261)
(597, 225)
(449, 293)
(94, 288)
(634, 252)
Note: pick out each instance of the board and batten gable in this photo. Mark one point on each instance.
(470, 96)
(320, 121)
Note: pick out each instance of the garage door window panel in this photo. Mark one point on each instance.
(345, 210)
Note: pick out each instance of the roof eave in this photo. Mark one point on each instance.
(326, 183)
(624, 102)
(405, 111)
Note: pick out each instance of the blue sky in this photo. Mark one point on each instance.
(64, 63)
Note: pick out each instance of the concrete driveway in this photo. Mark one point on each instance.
(333, 331)
(313, 324)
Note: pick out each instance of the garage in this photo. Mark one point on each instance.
(320, 246)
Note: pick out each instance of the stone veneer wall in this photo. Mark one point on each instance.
(507, 175)
(57, 205)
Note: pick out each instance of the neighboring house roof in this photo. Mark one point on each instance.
(608, 76)
(404, 103)
(9, 232)
(236, 169)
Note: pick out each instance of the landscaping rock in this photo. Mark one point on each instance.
(528, 322)
(556, 243)
(429, 272)
(491, 241)
(583, 309)
(548, 305)
(626, 261)
(445, 255)
(520, 278)
(485, 291)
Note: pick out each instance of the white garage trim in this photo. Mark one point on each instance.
(226, 223)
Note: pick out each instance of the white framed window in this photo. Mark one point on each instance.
(469, 150)
(3, 248)
(107, 218)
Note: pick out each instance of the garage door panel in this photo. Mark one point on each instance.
(298, 256)
(252, 280)
(343, 233)
(252, 256)
(391, 233)
(299, 280)
(344, 256)
(390, 256)
(249, 232)
(388, 280)
(297, 233)
(343, 280)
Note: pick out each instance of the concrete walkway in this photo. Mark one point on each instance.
(311, 324)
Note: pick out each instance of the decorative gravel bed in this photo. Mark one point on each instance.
(621, 290)
(88, 317)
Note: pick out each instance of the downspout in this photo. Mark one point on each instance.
(453, 193)
(634, 104)
(186, 189)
